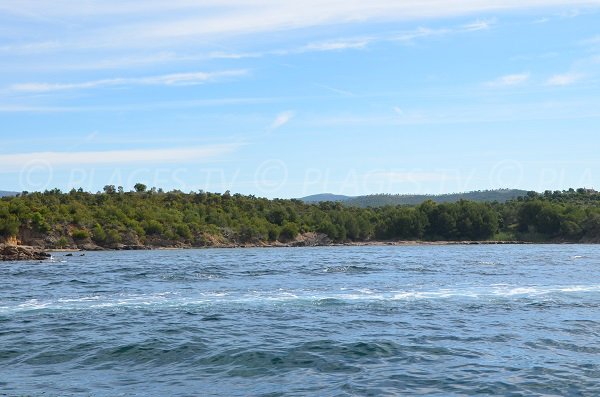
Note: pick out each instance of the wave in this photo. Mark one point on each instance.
(347, 269)
(345, 296)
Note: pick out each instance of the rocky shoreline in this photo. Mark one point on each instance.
(22, 253)
(10, 252)
(293, 244)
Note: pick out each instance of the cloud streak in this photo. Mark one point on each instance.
(509, 80)
(178, 79)
(323, 9)
(337, 45)
(564, 79)
(282, 119)
(479, 25)
(178, 21)
(21, 161)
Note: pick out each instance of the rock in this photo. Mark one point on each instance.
(21, 253)
(310, 240)
(91, 247)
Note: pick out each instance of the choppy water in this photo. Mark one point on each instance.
(346, 321)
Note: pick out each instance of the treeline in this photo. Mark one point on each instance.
(155, 218)
(380, 200)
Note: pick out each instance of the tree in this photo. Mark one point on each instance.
(110, 189)
(9, 227)
(140, 187)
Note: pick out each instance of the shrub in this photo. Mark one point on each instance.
(98, 233)
(62, 242)
(80, 234)
(9, 227)
(183, 230)
(288, 232)
(153, 227)
(113, 236)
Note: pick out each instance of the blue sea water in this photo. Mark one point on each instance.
(509, 320)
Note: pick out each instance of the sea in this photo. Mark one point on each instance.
(447, 320)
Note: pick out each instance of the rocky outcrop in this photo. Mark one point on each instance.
(311, 239)
(21, 253)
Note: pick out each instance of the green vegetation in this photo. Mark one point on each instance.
(155, 218)
(382, 200)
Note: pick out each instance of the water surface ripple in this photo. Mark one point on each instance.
(335, 321)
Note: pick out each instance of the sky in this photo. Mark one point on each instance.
(287, 99)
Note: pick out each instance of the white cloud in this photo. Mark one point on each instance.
(174, 104)
(408, 37)
(22, 161)
(177, 20)
(509, 80)
(479, 25)
(337, 45)
(398, 110)
(168, 79)
(282, 119)
(233, 55)
(540, 20)
(573, 13)
(564, 79)
(591, 41)
(351, 9)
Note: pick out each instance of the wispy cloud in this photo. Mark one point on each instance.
(460, 114)
(233, 55)
(17, 162)
(591, 41)
(336, 90)
(479, 25)
(145, 106)
(564, 79)
(509, 80)
(320, 10)
(282, 119)
(573, 13)
(540, 20)
(409, 37)
(338, 45)
(345, 43)
(178, 21)
(177, 79)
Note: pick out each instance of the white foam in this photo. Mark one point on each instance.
(172, 299)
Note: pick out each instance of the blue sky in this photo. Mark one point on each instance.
(285, 100)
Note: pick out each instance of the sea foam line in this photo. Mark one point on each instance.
(175, 300)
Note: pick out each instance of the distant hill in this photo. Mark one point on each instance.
(7, 194)
(317, 198)
(380, 200)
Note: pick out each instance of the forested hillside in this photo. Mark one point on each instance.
(381, 200)
(115, 218)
